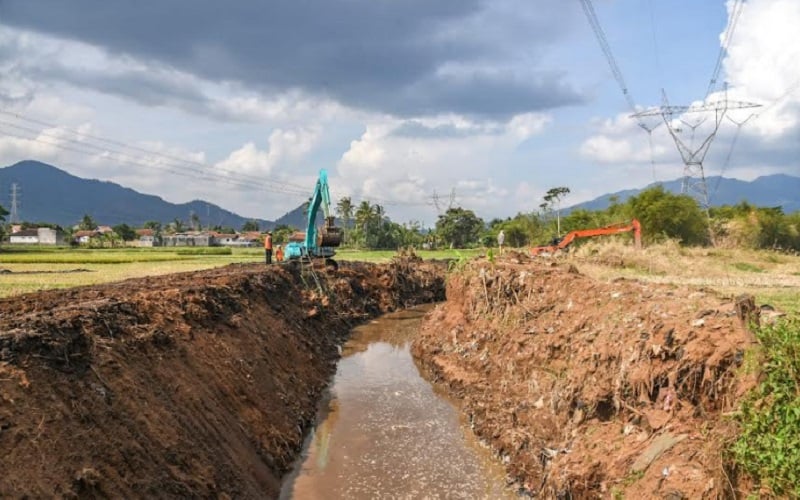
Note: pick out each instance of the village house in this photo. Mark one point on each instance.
(38, 236)
(84, 237)
(146, 238)
(190, 239)
(236, 240)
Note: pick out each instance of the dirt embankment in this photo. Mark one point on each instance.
(191, 385)
(590, 389)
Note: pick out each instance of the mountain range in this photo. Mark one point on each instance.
(766, 191)
(52, 195)
(49, 194)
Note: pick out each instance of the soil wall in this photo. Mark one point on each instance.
(590, 389)
(191, 385)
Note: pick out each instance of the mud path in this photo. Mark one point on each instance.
(591, 389)
(191, 385)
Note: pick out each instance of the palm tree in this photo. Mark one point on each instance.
(344, 208)
(363, 217)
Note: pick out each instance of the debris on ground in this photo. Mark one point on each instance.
(590, 389)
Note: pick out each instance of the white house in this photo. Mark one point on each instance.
(39, 236)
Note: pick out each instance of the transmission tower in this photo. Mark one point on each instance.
(694, 179)
(15, 192)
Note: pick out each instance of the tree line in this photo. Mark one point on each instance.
(663, 216)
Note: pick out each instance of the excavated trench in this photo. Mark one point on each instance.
(207, 384)
(199, 384)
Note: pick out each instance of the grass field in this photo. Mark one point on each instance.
(772, 277)
(24, 270)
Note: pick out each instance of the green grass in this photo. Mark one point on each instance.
(769, 445)
(745, 266)
(784, 299)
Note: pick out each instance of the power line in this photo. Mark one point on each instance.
(736, 11)
(161, 162)
(190, 164)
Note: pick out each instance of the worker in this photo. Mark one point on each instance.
(501, 238)
(268, 247)
(279, 253)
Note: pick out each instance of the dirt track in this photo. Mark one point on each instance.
(589, 389)
(199, 384)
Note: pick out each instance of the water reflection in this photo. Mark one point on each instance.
(384, 433)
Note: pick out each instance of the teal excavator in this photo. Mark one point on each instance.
(316, 243)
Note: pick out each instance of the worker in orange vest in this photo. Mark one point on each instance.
(268, 247)
(278, 253)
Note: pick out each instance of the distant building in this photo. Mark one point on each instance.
(84, 237)
(193, 239)
(235, 240)
(38, 236)
(146, 238)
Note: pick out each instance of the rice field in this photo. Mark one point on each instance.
(24, 270)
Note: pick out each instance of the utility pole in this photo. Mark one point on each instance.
(15, 195)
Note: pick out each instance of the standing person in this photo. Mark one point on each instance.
(268, 247)
(501, 238)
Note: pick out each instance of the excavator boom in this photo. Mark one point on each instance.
(317, 242)
(564, 242)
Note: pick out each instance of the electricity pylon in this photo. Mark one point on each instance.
(694, 179)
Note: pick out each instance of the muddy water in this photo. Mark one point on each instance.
(384, 432)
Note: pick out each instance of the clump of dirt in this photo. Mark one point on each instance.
(197, 384)
(590, 389)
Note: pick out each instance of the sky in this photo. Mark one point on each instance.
(413, 105)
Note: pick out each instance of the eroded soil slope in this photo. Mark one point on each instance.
(191, 385)
(590, 389)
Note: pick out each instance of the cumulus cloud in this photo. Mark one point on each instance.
(762, 65)
(408, 163)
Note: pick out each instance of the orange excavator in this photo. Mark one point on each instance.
(562, 243)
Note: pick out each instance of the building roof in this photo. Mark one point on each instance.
(81, 234)
(26, 232)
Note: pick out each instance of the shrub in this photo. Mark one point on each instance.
(769, 445)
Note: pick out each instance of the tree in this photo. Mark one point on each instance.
(553, 199)
(363, 217)
(177, 225)
(125, 232)
(664, 214)
(344, 209)
(250, 225)
(154, 225)
(281, 233)
(459, 227)
(3, 213)
(87, 223)
(194, 220)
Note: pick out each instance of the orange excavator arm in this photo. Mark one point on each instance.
(568, 238)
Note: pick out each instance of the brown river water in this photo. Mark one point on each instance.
(384, 432)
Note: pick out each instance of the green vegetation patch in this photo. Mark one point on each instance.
(769, 445)
(205, 251)
(747, 267)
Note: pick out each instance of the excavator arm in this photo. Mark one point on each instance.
(564, 242)
(317, 243)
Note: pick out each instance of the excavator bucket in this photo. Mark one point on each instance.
(329, 237)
